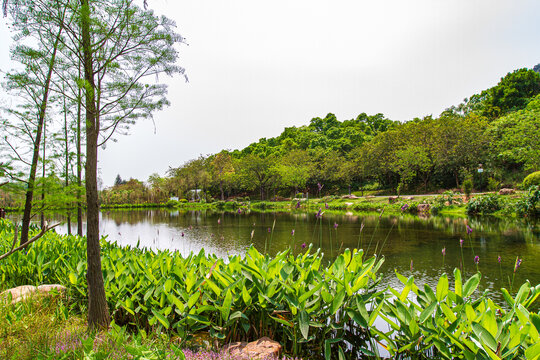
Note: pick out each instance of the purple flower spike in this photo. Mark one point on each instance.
(460, 242)
(404, 207)
(336, 225)
(318, 215)
(476, 259)
(219, 221)
(239, 211)
(411, 265)
(182, 234)
(326, 206)
(499, 259)
(320, 186)
(298, 204)
(269, 230)
(469, 230)
(518, 264)
(444, 251)
(303, 245)
(292, 232)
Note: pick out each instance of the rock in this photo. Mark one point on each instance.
(22, 292)
(410, 198)
(348, 204)
(392, 199)
(352, 196)
(264, 348)
(507, 191)
(423, 208)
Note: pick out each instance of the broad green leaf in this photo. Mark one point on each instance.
(162, 319)
(458, 285)
(471, 285)
(304, 323)
(338, 301)
(442, 287)
(484, 336)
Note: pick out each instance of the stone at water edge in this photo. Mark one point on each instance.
(20, 293)
(423, 208)
(392, 199)
(264, 348)
(506, 191)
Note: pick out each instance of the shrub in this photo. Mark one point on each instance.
(171, 203)
(527, 205)
(468, 187)
(484, 204)
(531, 179)
(183, 201)
(493, 185)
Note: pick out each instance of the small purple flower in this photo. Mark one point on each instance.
(476, 259)
(298, 204)
(336, 225)
(518, 264)
(292, 232)
(318, 215)
(461, 243)
(303, 245)
(182, 234)
(499, 259)
(269, 230)
(469, 230)
(404, 207)
(320, 186)
(326, 206)
(411, 265)
(444, 251)
(219, 221)
(239, 211)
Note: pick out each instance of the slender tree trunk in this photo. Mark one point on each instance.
(67, 164)
(98, 312)
(42, 217)
(221, 189)
(79, 164)
(35, 157)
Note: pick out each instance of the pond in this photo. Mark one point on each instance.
(410, 244)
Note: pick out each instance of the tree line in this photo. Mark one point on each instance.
(497, 131)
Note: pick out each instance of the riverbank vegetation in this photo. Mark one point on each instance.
(289, 297)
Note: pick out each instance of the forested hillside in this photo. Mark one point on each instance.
(497, 130)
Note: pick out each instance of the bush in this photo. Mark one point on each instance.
(531, 179)
(468, 187)
(527, 205)
(484, 204)
(493, 185)
(171, 203)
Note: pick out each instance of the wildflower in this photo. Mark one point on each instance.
(303, 245)
(518, 264)
(292, 232)
(499, 259)
(319, 214)
(476, 259)
(404, 207)
(269, 230)
(461, 243)
(326, 206)
(298, 204)
(469, 230)
(444, 251)
(182, 234)
(336, 225)
(239, 211)
(411, 265)
(320, 186)
(219, 221)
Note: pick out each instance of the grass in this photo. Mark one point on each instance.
(45, 328)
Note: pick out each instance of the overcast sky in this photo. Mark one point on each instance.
(256, 67)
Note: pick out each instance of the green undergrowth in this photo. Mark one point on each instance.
(314, 308)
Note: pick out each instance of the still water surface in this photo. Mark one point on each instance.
(410, 245)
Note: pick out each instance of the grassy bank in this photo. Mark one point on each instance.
(289, 298)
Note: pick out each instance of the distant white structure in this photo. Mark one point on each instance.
(175, 198)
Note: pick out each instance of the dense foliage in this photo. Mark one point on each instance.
(290, 298)
(497, 131)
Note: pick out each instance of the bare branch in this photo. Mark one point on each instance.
(45, 228)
